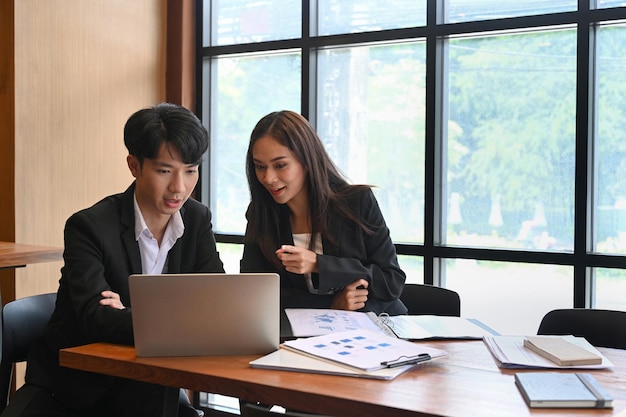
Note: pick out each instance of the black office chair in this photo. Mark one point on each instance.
(23, 321)
(603, 328)
(432, 300)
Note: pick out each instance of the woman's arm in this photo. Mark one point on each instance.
(359, 255)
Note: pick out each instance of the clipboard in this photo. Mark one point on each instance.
(286, 360)
(363, 350)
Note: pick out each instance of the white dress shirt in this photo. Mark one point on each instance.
(153, 256)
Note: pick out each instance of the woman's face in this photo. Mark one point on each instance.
(280, 172)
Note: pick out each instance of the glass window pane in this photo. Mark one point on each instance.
(610, 289)
(243, 21)
(510, 141)
(220, 405)
(605, 4)
(413, 267)
(371, 118)
(245, 88)
(511, 298)
(470, 10)
(230, 254)
(341, 16)
(610, 150)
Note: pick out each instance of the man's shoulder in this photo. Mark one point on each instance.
(194, 207)
(195, 215)
(107, 209)
(105, 205)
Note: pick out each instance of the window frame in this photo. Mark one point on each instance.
(434, 254)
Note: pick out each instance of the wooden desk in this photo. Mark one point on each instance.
(466, 383)
(16, 255)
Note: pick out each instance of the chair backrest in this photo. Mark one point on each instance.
(604, 328)
(23, 320)
(429, 299)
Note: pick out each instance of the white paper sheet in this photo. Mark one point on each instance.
(314, 322)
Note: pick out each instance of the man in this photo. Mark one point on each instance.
(153, 227)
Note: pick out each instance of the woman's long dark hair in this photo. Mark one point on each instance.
(326, 187)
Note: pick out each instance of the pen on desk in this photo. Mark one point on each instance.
(422, 357)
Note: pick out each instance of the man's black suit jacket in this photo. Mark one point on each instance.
(100, 253)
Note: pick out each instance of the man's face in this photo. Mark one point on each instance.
(163, 184)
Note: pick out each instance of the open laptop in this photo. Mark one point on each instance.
(205, 314)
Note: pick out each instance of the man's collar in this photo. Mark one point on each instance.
(175, 223)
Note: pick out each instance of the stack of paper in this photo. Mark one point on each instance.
(509, 352)
(359, 352)
(287, 360)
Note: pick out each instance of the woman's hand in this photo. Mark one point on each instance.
(352, 297)
(297, 260)
(111, 299)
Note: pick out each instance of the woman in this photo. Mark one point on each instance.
(326, 238)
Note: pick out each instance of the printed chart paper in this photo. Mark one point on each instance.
(362, 348)
(314, 322)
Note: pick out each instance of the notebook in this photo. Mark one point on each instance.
(562, 390)
(205, 314)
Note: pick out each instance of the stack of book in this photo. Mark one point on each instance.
(553, 389)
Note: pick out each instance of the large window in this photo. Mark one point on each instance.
(493, 131)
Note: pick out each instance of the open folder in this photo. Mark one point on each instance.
(314, 322)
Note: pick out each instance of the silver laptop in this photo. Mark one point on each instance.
(205, 314)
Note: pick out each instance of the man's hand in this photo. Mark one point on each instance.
(111, 299)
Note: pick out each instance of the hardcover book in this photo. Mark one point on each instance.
(561, 351)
